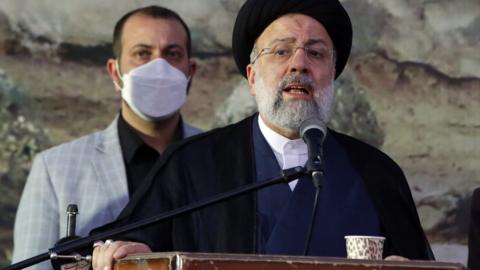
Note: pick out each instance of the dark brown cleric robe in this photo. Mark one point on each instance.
(223, 159)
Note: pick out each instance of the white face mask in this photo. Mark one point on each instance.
(155, 90)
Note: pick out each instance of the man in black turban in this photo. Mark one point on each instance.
(291, 51)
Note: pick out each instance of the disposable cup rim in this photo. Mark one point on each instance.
(364, 236)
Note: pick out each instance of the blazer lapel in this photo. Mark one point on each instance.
(109, 166)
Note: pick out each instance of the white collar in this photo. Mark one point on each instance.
(281, 144)
(289, 153)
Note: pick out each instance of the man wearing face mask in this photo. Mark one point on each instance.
(151, 71)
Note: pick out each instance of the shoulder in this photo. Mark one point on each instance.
(101, 139)
(352, 143)
(379, 171)
(72, 150)
(364, 154)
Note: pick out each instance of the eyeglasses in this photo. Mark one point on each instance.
(283, 53)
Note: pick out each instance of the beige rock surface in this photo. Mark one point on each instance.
(211, 21)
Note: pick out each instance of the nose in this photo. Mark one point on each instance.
(299, 61)
(156, 54)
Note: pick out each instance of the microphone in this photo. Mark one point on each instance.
(72, 211)
(313, 131)
(61, 262)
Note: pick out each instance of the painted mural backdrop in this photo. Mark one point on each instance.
(411, 88)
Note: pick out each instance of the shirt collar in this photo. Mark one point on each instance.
(130, 141)
(281, 144)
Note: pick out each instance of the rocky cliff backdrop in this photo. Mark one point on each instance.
(412, 88)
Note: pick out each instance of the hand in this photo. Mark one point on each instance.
(396, 258)
(104, 255)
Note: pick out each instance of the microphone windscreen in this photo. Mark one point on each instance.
(72, 208)
(313, 123)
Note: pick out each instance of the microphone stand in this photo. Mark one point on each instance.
(86, 242)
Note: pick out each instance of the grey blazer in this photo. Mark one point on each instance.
(89, 172)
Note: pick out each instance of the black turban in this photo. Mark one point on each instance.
(256, 15)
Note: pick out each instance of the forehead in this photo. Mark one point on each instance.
(294, 27)
(142, 29)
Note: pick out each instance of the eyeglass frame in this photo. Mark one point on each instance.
(293, 50)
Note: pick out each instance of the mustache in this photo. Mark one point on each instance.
(301, 79)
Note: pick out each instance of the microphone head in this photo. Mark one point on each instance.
(72, 209)
(313, 123)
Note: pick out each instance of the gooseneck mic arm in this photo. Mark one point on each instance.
(87, 242)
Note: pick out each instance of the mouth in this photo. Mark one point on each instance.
(298, 89)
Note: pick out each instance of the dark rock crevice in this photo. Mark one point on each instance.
(458, 82)
(96, 55)
(24, 43)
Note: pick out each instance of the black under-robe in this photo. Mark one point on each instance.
(223, 159)
(474, 232)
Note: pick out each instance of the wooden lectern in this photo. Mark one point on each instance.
(216, 261)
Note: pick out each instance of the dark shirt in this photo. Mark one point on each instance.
(137, 155)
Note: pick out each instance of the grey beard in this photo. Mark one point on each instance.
(289, 115)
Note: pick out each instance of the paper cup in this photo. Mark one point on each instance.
(364, 247)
